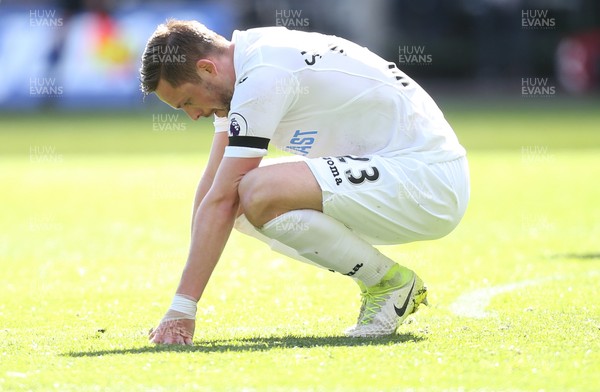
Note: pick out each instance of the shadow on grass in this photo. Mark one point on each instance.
(256, 344)
(578, 256)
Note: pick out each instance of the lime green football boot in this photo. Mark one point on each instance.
(387, 304)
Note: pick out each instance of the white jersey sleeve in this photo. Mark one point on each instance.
(221, 124)
(262, 97)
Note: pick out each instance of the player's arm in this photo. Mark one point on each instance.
(250, 126)
(213, 223)
(212, 226)
(220, 141)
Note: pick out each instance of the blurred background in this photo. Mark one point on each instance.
(97, 185)
(71, 55)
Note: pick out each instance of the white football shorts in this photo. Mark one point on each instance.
(393, 200)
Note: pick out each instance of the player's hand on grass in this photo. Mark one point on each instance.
(179, 323)
(179, 331)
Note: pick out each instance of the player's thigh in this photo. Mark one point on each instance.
(276, 188)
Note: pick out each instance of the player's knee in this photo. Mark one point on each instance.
(255, 197)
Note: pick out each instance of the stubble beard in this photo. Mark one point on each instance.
(223, 96)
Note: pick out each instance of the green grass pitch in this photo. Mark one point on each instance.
(94, 231)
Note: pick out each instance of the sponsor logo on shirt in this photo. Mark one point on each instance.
(301, 142)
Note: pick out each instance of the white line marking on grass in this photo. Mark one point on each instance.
(16, 374)
(473, 303)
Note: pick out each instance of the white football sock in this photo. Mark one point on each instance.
(244, 226)
(329, 243)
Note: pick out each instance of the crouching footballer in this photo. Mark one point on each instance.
(375, 161)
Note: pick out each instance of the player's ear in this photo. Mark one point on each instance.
(205, 67)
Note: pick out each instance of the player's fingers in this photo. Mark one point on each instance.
(172, 338)
(168, 339)
(185, 335)
(156, 339)
(177, 335)
(156, 334)
(182, 336)
(171, 333)
(159, 336)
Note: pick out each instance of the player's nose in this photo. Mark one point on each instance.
(194, 114)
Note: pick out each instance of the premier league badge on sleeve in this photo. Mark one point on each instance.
(237, 125)
(234, 127)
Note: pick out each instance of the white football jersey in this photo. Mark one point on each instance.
(319, 95)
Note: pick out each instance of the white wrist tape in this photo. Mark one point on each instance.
(184, 306)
